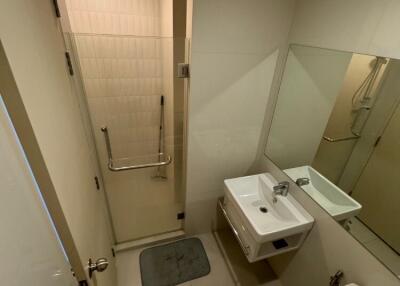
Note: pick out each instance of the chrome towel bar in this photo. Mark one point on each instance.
(235, 231)
(133, 167)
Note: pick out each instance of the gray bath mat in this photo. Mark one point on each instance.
(173, 263)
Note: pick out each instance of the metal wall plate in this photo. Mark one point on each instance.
(183, 70)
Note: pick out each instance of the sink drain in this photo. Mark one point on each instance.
(263, 209)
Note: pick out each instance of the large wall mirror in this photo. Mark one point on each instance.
(336, 133)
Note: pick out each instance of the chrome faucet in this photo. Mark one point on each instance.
(335, 279)
(282, 189)
(302, 181)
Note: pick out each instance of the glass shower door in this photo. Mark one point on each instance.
(130, 90)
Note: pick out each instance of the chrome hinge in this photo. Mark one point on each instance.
(69, 63)
(377, 141)
(97, 182)
(183, 70)
(56, 8)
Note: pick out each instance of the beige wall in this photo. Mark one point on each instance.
(358, 26)
(235, 47)
(361, 26)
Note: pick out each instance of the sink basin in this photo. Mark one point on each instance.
(335, 201)
(268, 227)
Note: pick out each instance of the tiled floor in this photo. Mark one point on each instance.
(244, 273)
(374, 244)
(241, 273)
(129, 272)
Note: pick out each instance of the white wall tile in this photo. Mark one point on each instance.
(124, 17)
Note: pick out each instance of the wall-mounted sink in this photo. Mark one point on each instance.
(266, 227)
(335, 201)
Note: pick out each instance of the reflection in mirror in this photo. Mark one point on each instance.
(336, 133)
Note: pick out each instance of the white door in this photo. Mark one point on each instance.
(30, 251)
(39, 92)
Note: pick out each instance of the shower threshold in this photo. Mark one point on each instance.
(147, 241)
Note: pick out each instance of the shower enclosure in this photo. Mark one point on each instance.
(348, 120)
(127, 52)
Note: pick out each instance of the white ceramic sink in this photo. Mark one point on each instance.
(266, 220)
(335, 201)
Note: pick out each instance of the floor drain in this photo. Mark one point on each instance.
(263, 209)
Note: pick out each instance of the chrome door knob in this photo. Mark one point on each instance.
(100, 265)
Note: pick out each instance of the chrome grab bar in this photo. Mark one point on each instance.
(329, 139)
(125, 168)
(236, 233)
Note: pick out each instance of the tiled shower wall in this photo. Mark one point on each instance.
(121, 17)
(125, 50)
